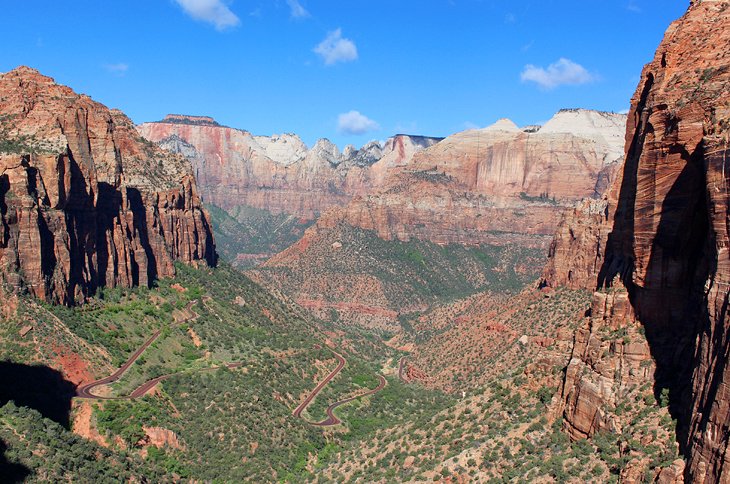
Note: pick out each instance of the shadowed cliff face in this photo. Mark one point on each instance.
(84, 201)
(668, 237)
(38, 387)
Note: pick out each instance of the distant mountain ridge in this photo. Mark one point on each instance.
(499, 179)
(280, 173)
(499, 189)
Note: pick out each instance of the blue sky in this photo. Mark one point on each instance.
(351, 70)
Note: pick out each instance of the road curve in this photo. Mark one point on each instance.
(84, 391)
(144, 388)
(340, 365)
(332, 419)
(401, 367)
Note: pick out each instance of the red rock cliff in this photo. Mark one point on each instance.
(667, 239)
(279, 173)
(496, 185)
(84, 201)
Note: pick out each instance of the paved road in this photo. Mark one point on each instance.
(340, 365)
(401, 367)
(85, 391)
(332, 419)
(144, 388)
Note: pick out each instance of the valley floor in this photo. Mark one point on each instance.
(221, 380)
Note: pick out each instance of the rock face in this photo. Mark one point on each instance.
(279, 173)
(494, 184)
(84, 201)
(576, 253)
(668, 238)
(602, 364)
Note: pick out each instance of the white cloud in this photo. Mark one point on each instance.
(564, 72)
(624, 111)
(334, 48)
(296, 10)
(212, 11)
(355, 123)
(633, 7)
(120, 68)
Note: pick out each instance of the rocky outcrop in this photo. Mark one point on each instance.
(576, 252)
(84, 201)
(279, 173)
(668, 232)
(161, 438)
(608, 358)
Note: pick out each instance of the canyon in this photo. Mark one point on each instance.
(85, 202)
(498, 191)
(408, 276)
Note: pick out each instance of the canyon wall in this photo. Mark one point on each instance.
(665, 240)
(85, 202)
(279, 173)
(484, 185)
(497, 185)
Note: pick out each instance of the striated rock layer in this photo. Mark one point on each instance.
(84, 201)
(666, 240)
(494, 185)
(279, 173)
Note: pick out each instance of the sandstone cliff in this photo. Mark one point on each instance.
(499, 185)
(84, 201)
(495, 184)
(279, 173)
(666, 237)
(576, 253)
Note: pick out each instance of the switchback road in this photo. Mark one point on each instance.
(85, 391)
(331, 419)
(340, 365)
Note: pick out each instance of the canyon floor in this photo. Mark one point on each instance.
(375, 416)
